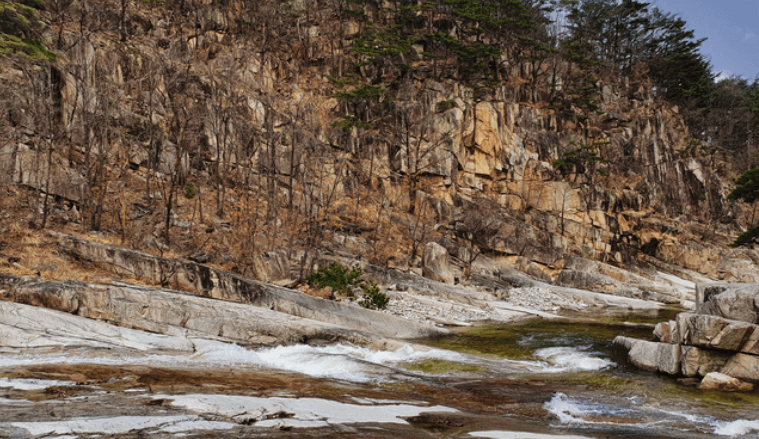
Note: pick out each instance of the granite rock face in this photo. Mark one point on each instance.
(209, 282)
(647, 355)
(737, 303)
(697, 362)
(272, 267)
(719, 342)
(171, 313)
(435, 263)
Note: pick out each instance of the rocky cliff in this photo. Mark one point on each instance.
(224, 130)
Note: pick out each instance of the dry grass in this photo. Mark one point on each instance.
(323, 293)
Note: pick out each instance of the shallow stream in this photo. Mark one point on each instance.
(547, 377)
(606, 399)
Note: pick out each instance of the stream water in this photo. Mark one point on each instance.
(593, 398)
(610, 400)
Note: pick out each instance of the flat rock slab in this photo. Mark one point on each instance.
(205, 281)
(173, 313)
(647, 355)
(32, 327)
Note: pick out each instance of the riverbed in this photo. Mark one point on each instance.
(531, 380)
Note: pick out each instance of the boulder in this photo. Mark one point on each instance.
(171, 313)
(701, 362)
(744, 367)
(667, 332)
(435, 264)
(715, 332)
(647, 355)
(724, 383)
(739, 303)
(704, 292)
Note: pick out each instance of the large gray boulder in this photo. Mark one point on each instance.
(647, 355)
(435, 264)
(722, 336)
(740, 303)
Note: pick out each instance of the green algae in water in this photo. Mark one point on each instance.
(441, 366)
(519, 341)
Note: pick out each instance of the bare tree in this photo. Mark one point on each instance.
(480, 222)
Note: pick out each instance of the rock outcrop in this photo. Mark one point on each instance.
(435, 263)
(217, 284)
(169, 312)
(719, 342)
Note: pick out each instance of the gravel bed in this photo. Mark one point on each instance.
(541, 299)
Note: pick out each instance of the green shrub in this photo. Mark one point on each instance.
(341, 279)
(348, 282)
(372, 297)
(746, 238)
(189, 190)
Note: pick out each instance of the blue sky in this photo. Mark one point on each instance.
(732, 29)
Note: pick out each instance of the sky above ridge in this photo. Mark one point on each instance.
(732, 29)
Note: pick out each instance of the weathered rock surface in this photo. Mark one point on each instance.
(744, 367)
(31, 327)
(667, 332)
(435, 263)
(700, 362)
(173, 313)
(209, 282)
(272, 267)
(720, 337)
(714, 332)
(724, 383)
(647, 355)
(27, 167)
(736, 303)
